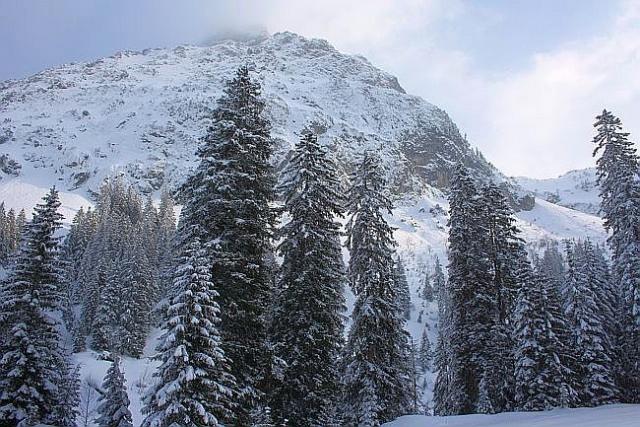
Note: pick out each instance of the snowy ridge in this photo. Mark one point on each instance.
(576, 189)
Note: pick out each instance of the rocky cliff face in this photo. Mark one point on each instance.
(142, 113)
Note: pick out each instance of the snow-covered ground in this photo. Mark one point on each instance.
(603, 416)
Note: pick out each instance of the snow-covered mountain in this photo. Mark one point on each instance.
(143, 112)
(576, 189)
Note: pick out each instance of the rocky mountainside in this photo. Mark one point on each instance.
(142, 113)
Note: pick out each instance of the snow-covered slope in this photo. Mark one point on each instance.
(143, 113)
(576, 189)
(603, 416)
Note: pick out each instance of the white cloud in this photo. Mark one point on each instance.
(539, 122)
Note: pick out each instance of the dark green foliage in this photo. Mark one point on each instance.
(377, 375)
(37, 381)
(227, 206)
(307, 325)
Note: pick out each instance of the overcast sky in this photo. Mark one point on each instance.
(522, 78)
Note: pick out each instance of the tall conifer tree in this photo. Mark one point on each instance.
(617, 177)
(228, 207)
(193, 384)
(377, 384)
(307, 323)
(36, 378)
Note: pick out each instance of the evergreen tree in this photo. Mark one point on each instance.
(114, 402)
(307, 324)
(438, 280)
(507, 263)
(425, 355)
(551, 264)
(471, 303)
(427, 293)
(541, 379)
(116, 279)
(35, 372)
(587, 324)
(402, 288)
(377, 387)
(228, 207)
(5, 237)
(165, 241)
(193, 385)
(617, 177)
(485, 405)
(442, 392)
(550, 269)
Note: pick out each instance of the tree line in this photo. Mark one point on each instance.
(526, 332)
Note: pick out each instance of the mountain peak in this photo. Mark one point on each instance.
(143, 113)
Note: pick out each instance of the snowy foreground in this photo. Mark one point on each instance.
(603, 416)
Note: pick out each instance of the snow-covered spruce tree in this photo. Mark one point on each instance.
(10, 230)
(5, 236)
(377, 384)
(551, 264)
(442, 359)
(427, 292)
(485, 404)
(193, 385)
(617, 173)
(228, 206)
(116, 278)
(151, 226)
(73, 248)
(165, 241)
(114, 402)
(135, 276)
(425, 355)
(567, 381)
(471, 304)
(541, 379)
(444, 364)
(402, 287)
(36, 378)
(307, 325)
(550, 271)
(507, 261)
(588, 326)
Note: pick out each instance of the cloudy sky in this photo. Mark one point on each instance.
(522, 78)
